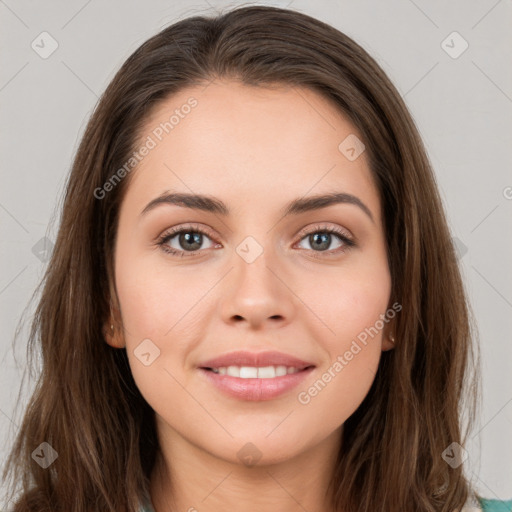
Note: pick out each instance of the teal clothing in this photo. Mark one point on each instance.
(487, 506)
(496, 505)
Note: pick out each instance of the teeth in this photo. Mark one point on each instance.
(252, 372)
(267, 372)
(247, 372)
(233, 371)
(281, 370)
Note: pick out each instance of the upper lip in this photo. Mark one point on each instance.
(255, 359)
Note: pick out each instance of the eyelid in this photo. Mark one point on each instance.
(313, 228)
(189, 226)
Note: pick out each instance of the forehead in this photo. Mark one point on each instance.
(243, 142)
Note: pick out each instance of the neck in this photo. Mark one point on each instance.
(186, 478)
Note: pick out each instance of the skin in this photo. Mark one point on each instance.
(256, 149)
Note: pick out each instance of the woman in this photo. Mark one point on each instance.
(253, 300)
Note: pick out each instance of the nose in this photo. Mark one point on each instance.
(258, 294)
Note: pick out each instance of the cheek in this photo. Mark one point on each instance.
(159, 328)
(349, 302)
(164, 311)
(350, 333)
(155, 301)
(350, 313)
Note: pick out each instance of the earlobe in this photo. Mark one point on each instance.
(388, 342)
(113, 336)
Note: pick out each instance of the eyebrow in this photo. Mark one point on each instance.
(295, 207)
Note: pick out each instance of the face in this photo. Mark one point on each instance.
(195, 284)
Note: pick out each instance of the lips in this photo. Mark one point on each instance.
(255, 359)
(255, 376)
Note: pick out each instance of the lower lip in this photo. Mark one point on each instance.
(256, 389)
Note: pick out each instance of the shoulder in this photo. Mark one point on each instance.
(495, 505)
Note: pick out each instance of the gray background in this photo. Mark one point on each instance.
(462, 107)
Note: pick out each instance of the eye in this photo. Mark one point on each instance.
(321, 237)
(189, 239)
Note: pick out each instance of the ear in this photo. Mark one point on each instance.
(113, 326)
(113, 334)
(388, 338)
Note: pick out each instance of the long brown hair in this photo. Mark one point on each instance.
(86, 404)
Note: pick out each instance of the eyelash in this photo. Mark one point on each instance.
(168, 235)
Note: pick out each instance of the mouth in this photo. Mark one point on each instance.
(252, 383)
(257, 372)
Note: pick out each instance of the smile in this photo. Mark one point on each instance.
(253, 372)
